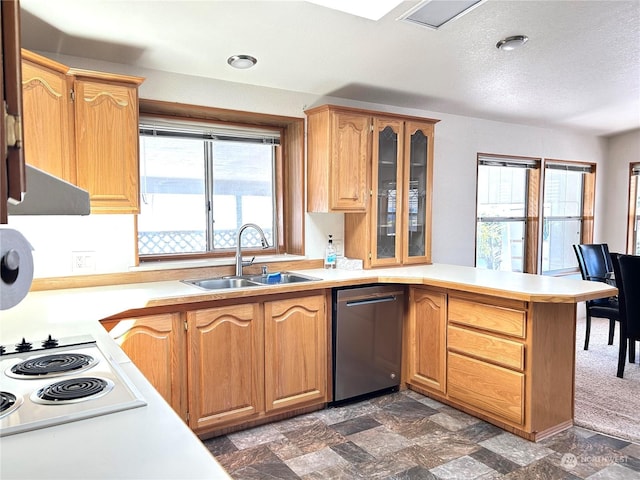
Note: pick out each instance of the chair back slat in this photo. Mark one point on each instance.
(627, 271)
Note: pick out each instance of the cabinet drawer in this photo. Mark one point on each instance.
(488, 317)
(507, 353)
(490, 388)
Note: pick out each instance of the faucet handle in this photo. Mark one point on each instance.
(264, 269)
(246, 263)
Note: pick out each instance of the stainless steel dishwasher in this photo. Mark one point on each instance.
(367, 340)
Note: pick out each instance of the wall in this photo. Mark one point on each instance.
(623, 150)
(458, 140)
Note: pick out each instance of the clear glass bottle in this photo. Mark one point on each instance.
(330, 254)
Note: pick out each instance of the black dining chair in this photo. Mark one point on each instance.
(627, 272)
(595, 265)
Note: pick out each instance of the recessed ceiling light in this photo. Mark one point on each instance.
(242, 61)
(511, 43)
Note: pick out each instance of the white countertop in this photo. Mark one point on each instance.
(152, 442)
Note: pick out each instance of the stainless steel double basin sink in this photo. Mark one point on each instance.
(244, 281)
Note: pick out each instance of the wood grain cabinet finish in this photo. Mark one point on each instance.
(484, 365)
(225, 349)
(106, 140)
(395, 228)
(295, 352)
(338, 152)
(425, 339)
(82, 126)
(156, 345)
(507, 361)
(48, 125)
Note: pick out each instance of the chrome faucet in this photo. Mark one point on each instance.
(263, 240)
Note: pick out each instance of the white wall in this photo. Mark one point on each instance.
(622, 150)
(457, 141)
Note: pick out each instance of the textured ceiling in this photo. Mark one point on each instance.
(579, 70)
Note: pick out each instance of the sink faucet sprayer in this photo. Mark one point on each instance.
(263, 239)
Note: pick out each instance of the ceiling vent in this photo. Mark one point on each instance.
(435, 13)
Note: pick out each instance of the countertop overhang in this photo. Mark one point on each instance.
(153, 442)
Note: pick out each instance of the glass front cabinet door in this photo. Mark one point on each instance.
(418, 173)
(401, 191)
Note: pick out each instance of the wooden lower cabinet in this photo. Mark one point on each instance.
(225, 363)
(295, 352)
(509, 362)
(425, 339)
(155, 344)
(488, 387)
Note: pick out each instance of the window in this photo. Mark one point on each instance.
(199, 182)
(506, 212)
(633, 238)
(567, 213)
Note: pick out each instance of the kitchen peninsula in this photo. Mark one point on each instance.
(498, 345)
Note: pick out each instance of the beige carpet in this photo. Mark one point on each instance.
(604, 402)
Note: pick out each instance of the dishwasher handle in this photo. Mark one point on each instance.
(366, 301)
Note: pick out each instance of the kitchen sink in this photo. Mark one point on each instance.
(220, 283)
(279, 278)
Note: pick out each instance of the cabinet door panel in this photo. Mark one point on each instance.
(417, 195)
(155, 344)
(48, 119)
(225, 364)
(426, 352)
(295, 352)
(386, 209)
(492, 389)
(350, 155)
(107, 145)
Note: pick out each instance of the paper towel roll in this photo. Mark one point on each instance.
(16, 267)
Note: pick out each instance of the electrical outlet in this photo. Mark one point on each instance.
(83, 262)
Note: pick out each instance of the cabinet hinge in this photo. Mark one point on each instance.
(187, 418)
(72, 95)
(13, 129)
(370, 256)
(186, 326)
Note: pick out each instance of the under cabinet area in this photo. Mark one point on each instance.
(231, 364)
(82, 126)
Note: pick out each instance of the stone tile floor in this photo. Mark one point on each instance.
(406, 436)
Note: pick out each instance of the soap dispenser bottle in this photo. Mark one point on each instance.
(330, 254)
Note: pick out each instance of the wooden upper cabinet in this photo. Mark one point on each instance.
(48, 116)
(338, 152)
(395, 229)
(417, 194)
(106, 139)
(12, 169)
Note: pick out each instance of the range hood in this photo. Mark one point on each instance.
(49, 195)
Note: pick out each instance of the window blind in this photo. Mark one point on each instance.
(570, 167)
(635, 169)
(208, 131)
(500, 161)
